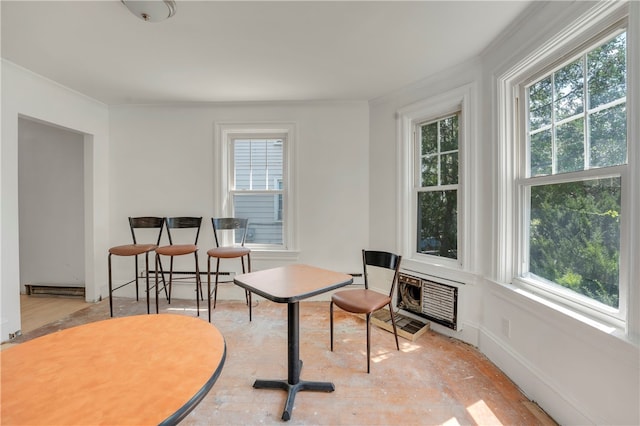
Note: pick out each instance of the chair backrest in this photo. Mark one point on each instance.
(183, 223)
(381, 259)
(237, 225)
(146, 222)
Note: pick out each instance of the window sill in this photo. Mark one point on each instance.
(448, 270)
(604, 324)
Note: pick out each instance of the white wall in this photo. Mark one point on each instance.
(51, 203)
(163, 163)
(577, 372)
(29, 95)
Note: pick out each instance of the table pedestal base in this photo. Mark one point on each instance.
(292, 389)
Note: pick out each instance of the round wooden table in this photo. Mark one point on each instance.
(147, 369)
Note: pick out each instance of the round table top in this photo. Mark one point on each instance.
(145, 369)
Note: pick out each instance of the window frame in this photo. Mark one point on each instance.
(418, 188)
(461, 101)
(225, 134)
(512, 223)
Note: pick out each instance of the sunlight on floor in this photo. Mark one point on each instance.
(482, 414)
(451, 422)
(409, 347)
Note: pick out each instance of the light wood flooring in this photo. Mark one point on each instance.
(434, 380)
(36, 311)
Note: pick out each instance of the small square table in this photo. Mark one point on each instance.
(290, 284)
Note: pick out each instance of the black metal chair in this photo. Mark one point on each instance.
(365, 301)
(232, 248)
(172, 250)
(136, 249)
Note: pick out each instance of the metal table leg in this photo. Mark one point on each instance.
(293, 384)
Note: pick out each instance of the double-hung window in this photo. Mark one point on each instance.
(573, 175)
(434, 144)
(437, 187)
(256, 189)
(256, 182)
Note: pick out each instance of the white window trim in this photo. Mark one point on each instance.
(509, 250)
(223, 134)
(460, 99)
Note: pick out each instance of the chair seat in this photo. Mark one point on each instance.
(360, 301)
(228, 252)
(177, 249)
(132, 249)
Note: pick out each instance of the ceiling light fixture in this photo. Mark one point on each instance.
(151, 10)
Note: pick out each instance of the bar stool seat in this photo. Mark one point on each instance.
(231, 250)
(151, 224)
(175, 228)
(177, 249)
(132, 249)
(228, 252)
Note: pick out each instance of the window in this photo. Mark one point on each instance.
(255, 191)
(256, 184)
(433, 145)
(437, 187)
(572, 176)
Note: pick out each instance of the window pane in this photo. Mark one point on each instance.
(242, 166)
(609, 137)
(449, 134)
(570, 146)
(437, 223)
(574, 236)
(607, 72)
(430, 170)
(541, 153)
(540, 104)
(568, 84)
(262, 212)
(274, 165)
(449, 168)
(258, 163)
(430, 138)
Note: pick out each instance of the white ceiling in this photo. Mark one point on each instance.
(215, 51)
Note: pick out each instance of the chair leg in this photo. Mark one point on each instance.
(199, 279)
(137, 291)
(146, 265)
(156, 287)
(198, 285)
(209, 285)
(215, 288)
(110, 289)
(246, 292)
(331, 323)
(368, 342)
(164, 284)
(170, 278)
(393, 321)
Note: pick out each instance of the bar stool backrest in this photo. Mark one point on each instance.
(237, 225)
(183, 223)
(146, 222)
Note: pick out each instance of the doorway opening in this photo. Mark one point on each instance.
(51, 201)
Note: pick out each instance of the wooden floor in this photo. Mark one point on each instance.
(432, 380)
(36, 311)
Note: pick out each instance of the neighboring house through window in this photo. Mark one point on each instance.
(256, 182)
